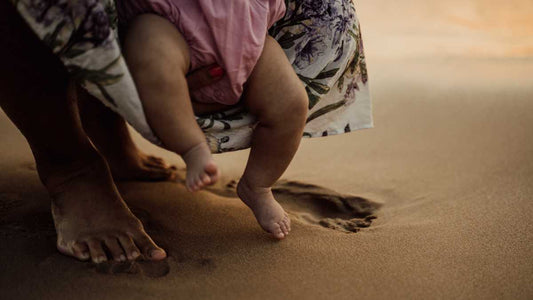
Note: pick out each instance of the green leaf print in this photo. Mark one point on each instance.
(200, 122)
(98, 77)
(313, 99)
(286, 41)
(326, 109)
(51, 39)
(71, 53)
(327, 74)
(340, 83)
(319, 87)
(106, 94)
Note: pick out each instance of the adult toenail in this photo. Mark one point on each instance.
(134, 254)
(155, 252)
(85, 255)
(122, 257)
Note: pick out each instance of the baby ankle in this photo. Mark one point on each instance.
(248, 186)
(199, 149)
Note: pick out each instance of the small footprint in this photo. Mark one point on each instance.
(316, 205)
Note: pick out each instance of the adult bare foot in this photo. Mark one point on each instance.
(91, 218)
(134, 165)
(89, 213)
(201, 169)
(268, 212)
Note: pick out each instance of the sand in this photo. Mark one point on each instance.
(447, 171)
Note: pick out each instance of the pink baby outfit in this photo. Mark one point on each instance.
(230, 33)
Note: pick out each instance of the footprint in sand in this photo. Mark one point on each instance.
(153, 269)
(316, 205)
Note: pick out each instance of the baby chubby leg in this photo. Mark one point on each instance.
(276, 96)
(158, 58)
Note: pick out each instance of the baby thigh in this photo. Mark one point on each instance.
(158, 58)
(277, 97)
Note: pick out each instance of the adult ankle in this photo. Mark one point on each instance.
(55, 172)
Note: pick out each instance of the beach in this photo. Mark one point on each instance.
(434, 202)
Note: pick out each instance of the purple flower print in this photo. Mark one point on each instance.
(309, 52)
(315, 7)
(349, 95)
(46, 11)
(97, 26)
(339, 26)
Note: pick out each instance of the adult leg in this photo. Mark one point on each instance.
(109, 133)
(276, 96)
(158, 58)
(89, 213)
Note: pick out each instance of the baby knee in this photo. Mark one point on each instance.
(298, 104)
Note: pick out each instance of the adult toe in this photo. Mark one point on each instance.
(132, 252)
(115, 249)
(97, 251)
(156, 174)
(156, 160)
(80, 250)
(148, 248)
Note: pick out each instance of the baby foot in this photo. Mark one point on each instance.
(201, 169)
(268, 212)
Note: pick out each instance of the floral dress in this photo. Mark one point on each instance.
(321, 38)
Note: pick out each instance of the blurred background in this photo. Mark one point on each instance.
(471, 28)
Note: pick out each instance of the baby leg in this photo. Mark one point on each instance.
(276, 96)
(158, 58)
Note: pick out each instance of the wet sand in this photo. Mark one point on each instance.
(447, 171)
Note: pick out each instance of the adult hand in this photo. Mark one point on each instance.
(204, 76)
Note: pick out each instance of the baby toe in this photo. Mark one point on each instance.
(287, 222)
(211, 169)
(206, 179)
(190, 185)
(283, 227)
(199, 183)
(277, 232)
